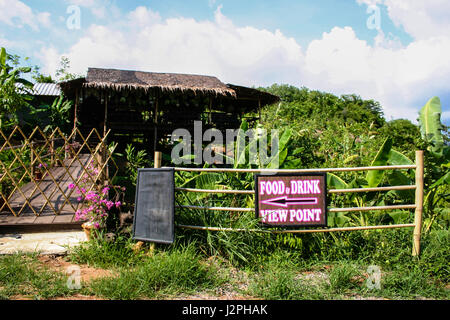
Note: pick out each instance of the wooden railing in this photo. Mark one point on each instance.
(417, 205)
(62, 162)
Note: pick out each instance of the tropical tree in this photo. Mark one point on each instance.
(62, 73)
(14, 90)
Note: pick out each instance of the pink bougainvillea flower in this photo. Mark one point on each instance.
(71, 186)
(109, 204)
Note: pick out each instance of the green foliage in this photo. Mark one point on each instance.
(50, 116)
(38, 77)
(14, 90)
(305, 104)
(135, 160)
(62, 73)
(405, 136)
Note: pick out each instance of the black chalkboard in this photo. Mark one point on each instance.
(155, 206)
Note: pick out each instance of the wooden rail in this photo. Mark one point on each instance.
(272, 171)
(391, 226)
(226, 191)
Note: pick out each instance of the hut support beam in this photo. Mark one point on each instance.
(75, 115)
(259, 109)
(105, 126)
(155, 124)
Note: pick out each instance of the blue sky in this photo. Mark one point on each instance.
(329, 45)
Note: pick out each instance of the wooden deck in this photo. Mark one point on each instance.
(38, 202)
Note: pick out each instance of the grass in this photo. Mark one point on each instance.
(22, 275)
(322, 268)
(106, 254)
(164, 273)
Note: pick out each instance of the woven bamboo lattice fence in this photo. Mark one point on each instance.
(37, 169)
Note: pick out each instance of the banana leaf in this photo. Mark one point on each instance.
(445, 179)
(398, 159)
(374, 177)
(277, 160)
(399, 216)
(240, 145)
(431, 126)
(3, 57)
(397, 178)
(334, 182)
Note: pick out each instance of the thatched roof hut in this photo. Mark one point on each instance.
(126, 80)
(129, 80)
(125, 101)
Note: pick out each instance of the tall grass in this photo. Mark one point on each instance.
(106, 254)
(167, 272)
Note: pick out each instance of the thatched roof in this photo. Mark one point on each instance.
(118, 80)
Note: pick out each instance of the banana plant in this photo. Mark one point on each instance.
(437, 170)
(55, 115)
(244, 157)
(374, 178)
(14, 90)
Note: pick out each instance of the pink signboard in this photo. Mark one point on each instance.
(288, 200)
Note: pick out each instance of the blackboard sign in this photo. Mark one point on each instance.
(155, 206)
(287, 200)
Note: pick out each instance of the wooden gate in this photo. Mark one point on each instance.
(417, 206)
(38, 173)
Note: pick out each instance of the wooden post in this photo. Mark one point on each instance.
(155, 123)
(419, 204)
(32, 161)
(52, 151)
(158, 158)
(102, 151)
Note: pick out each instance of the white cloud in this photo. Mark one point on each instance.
(421, 19)
(395, 75)
(101, 9)
(143, 17)
(186, 46)
(84, 3)
(18, 14)
(445, 115)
